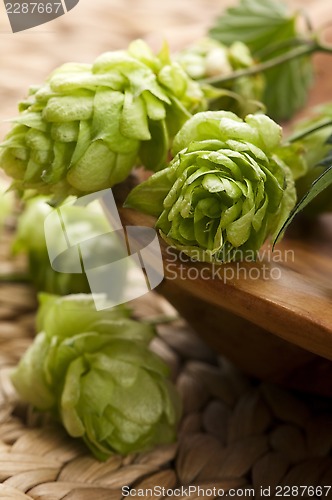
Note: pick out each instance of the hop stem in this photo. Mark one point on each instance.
(309, 47)
(310, 130)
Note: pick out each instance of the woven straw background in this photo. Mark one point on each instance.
(235, 432)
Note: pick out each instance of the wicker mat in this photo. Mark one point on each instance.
(236, 434)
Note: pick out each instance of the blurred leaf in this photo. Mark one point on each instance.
(320, 184)
(256, 23)
(329, 140)
(265, 25)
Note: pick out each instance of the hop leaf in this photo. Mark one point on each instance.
(317, 152)
(264, 25)
(321, 185)
(88, 125)
(225, 191)
(94, 371)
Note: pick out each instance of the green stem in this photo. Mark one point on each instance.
(270, 49)
(309, 48)
(310, 130)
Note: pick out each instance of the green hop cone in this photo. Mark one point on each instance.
(94, 371)
(225, 191)
(77, 220)
(209, 58)
(89, 125)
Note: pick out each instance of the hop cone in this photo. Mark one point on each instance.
(87, 126)
(30, 239)
(94, 371)
(225, 191)
(208, 58)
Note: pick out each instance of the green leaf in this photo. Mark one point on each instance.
(320, 184)
(326, 161)
(254, 22)
(149, 196)
(287, 87)
(329, 140)
(264, 25)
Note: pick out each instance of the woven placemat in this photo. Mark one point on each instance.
(237, 435)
